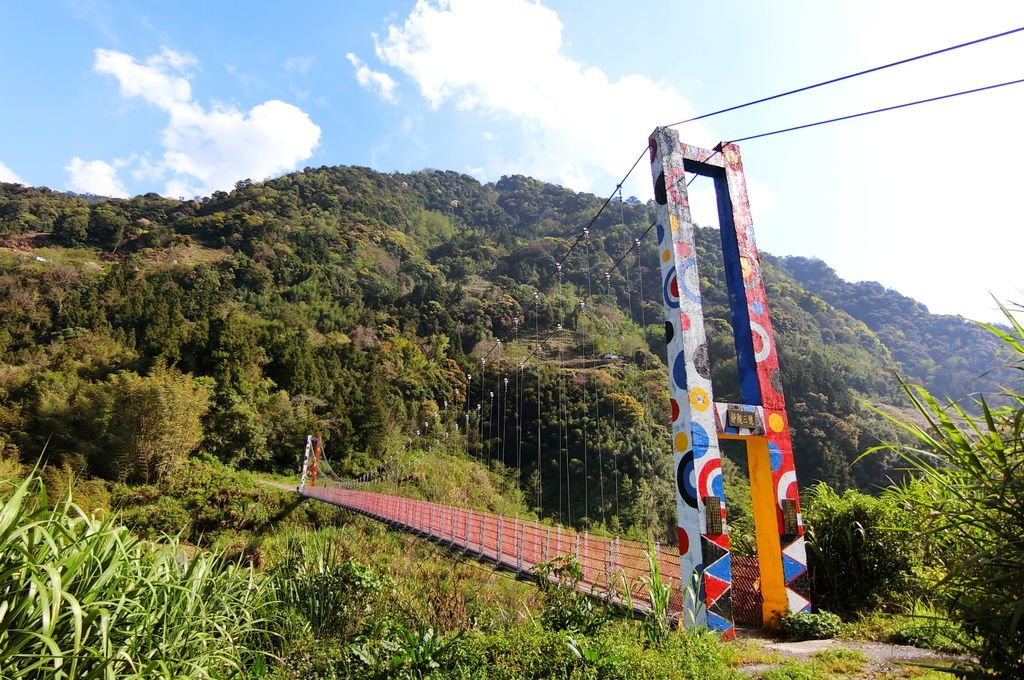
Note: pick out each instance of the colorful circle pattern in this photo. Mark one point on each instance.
(685, 480)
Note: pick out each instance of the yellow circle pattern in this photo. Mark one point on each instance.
(699, 399)
(682, 442)
(775, 422)
(666, 255)
(746, 268)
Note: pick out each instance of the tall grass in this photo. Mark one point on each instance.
(81, 598)
(657, 625)
(968, 497)
(334, 596)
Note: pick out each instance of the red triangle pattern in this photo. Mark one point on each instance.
(714, 587)
(721, 540)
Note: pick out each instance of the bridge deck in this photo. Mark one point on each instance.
(609, 565)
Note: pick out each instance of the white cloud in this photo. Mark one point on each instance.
(209, 149)
(300, 65)
(379, 83)
(8, 175)
(504, 59)
(156, 81)
(95, 177)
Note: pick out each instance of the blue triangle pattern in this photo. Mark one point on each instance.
(791, 568)
(716, 622)
(721, 568)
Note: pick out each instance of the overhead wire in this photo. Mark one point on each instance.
(604, 205)
(849, 76)
(884, 109)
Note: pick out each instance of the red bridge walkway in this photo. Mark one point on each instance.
(609, 565)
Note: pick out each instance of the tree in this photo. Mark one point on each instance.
(107, 226)
(72, 228)
(155, 422)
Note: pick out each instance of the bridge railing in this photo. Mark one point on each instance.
(610, 566)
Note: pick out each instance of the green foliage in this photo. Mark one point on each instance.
(656, 626)
(966, 500)
(107, 225)
(349, 302)
(533, 652)
(819, 625)
(928, 627)
(565, 606)
(165, 516)
(83, 598)
(335, 596)
(406, 654)
(825, 664)
(154, 422)
(841, 661)
(208, 503)
(927, 348)
(858, 549)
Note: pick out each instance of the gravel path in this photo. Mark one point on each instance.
(883, 659)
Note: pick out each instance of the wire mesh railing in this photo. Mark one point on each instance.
(613, 568)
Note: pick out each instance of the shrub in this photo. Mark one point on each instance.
(858, 551)
(819, 625)
(335, 597)
(565, 607)
(166, 516)
(657, 625)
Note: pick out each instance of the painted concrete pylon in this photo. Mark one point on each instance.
(698, 423)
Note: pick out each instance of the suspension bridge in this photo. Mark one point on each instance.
(613, 569)
(710, 587)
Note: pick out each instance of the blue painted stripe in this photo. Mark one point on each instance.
(750, 385)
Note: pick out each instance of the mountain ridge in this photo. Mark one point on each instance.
(357, 303)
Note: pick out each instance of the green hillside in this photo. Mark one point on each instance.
(354, 303)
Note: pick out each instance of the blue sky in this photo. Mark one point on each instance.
(188, 97)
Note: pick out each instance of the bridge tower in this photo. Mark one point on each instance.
(698, 422)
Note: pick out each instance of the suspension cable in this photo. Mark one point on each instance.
(586, 408)
(847, 77)
(519, 413)
(615, 431)
(503, 393)
(881, 110)
(645, 456)
(469, 399)
(490, 426)
(503, 414)
(520, 388)
(563, 429)
(479, 406)
(597, 412)
(540, 473)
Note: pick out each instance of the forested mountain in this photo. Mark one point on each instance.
(354, 303)
(951, 356)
